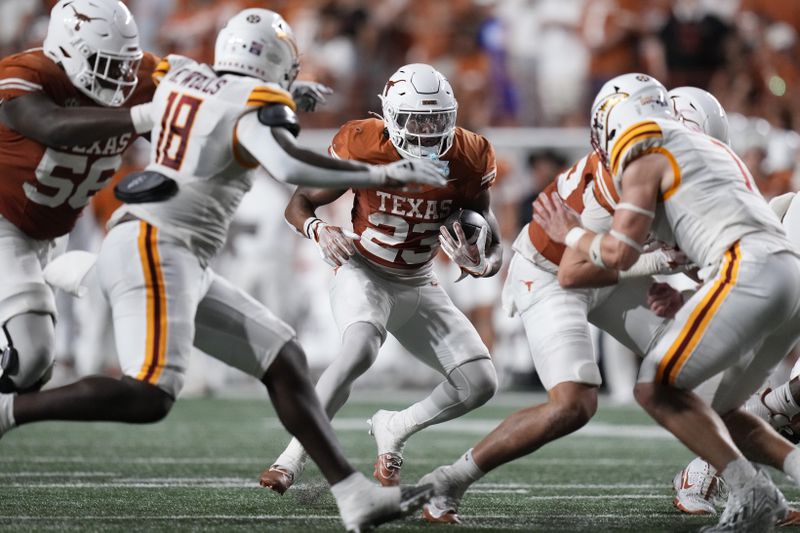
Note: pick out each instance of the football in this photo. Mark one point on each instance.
(471, 223)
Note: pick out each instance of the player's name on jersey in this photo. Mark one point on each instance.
(414, 207)
(111, 146)
(191, 79)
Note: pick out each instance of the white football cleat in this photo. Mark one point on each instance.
(365, 509)
(757, 507)
(698, 488)
(780, 421)
(390, 448)
(447, 494)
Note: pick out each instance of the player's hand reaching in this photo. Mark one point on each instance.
(470, 257)
(664, 300)
(335, 244)
(309, 94)
(408, 171)
(554, 216)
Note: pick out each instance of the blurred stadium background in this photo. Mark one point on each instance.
(524, 72)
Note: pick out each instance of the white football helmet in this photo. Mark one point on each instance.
(622, 102)
(419, 111)
(258, 43)
(701, 111)
(96, 42)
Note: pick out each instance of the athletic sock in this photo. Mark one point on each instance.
(738, 473)
(791, 465)
(781, 401)
(464, 471)
(293, 457)
(350, 487)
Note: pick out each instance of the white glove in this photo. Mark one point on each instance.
(470, 257)
(69, 270)
(407, 171)
(309, 94)
(335, 244)
(661, 261)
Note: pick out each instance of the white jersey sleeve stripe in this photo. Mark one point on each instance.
(20, 81)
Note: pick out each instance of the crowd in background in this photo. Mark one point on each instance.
(512, 63)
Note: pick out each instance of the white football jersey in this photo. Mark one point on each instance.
(194, 143)
(713, 201)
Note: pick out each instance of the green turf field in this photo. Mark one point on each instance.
(198, 470)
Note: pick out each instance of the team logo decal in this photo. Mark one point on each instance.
(253, 19)
(80, 18)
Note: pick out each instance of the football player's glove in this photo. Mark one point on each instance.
(470, 257)
(309, 94)
(335, 244)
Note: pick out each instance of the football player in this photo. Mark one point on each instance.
(742, 320)
(68, 111)
(384, 281)
(541, 289)
(215, 125)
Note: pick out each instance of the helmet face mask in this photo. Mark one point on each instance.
(258, 43)
(419, 112)
(97, 44)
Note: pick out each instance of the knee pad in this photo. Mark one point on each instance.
(476, 381)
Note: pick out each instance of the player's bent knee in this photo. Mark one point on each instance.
(575, 403)
(153, 404)
(479, 382)
(644, 393)
(287, 366)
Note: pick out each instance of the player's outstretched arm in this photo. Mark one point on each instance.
(71, 126)
(269, 137)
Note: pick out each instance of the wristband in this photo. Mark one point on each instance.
(573, 236)
(310, 227)
(594, 251)
(142, 117)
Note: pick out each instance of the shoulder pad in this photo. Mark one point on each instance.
(279, 116)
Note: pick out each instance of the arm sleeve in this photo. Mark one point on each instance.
(286, 162)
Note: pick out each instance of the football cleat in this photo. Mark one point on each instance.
(387, 469)
(757, 506)
(443, 505)
(364, 511)
(792, 518)
(277, 478)
(697, 488)
(788, 428)
(390, 449)
(434, 515)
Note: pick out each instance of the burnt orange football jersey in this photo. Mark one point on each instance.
(400, 229)
(571, 186)
(44, 189)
